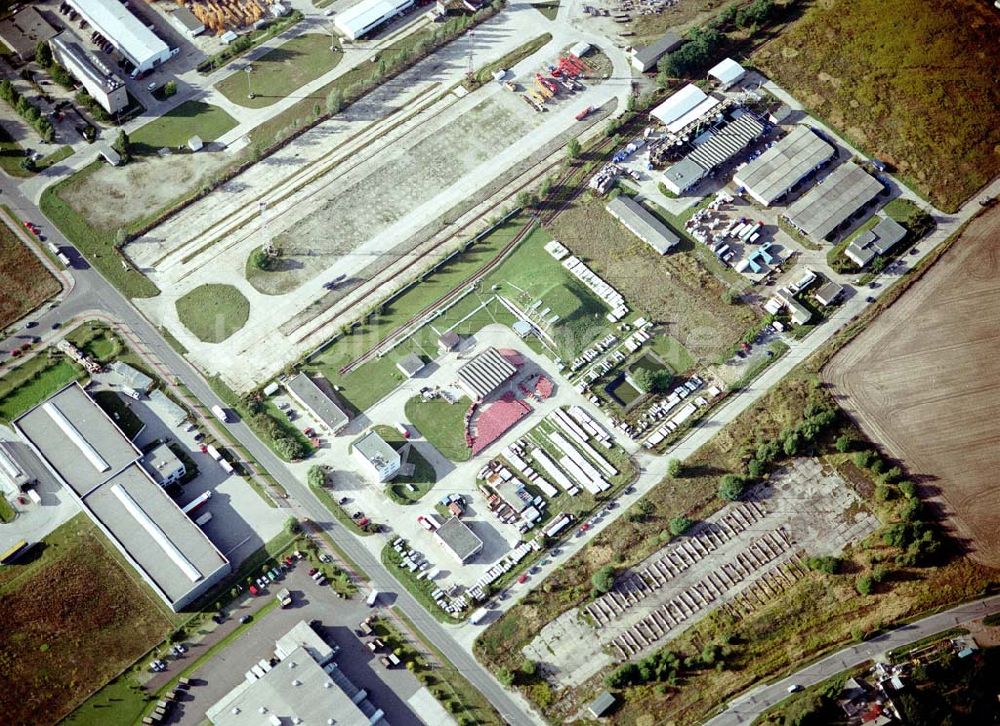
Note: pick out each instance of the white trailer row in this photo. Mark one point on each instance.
(506, 564)
(513, 456)
(554, 472)
(591, 425)
(567, 424)
(558, 525)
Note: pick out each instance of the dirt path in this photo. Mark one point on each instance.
(924, 381)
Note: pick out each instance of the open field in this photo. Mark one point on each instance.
(72, 618)
(174, 128)
(280, 71)
(912, 83)
(24, 281)
(441, 423)
(673, 289)
(34, 381)
(923, 380)
(213, 312)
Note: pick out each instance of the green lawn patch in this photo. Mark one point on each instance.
(7, 512)
(442, 424)
(31, 383)
(116, 407)
(173, 129)
(548, 9)
(282, 70)
(11, 156)
(247, 42)
(61, 642)
(97, 341)
(672, 352)
(96, 244)
(213, 312)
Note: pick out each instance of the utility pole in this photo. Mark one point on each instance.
(249, 70)
(266, 228)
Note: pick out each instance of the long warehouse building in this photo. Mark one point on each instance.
(772, 175)
(846, 191)
(126, 32)
(369, 15)
(99, 466)
(723, 145)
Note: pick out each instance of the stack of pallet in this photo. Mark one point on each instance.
(222, 15)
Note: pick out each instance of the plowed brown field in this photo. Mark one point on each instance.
(924, 380)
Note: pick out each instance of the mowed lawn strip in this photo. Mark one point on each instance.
(32, 382)
(281, 71)
(213, 312)
(73, 617)
(442, 424)
(25, 283)
(176, 127)
(911, 83)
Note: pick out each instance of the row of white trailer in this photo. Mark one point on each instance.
(594, 282)
(505, 565)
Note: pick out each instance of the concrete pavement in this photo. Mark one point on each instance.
(748, 707)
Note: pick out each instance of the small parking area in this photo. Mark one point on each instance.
(393, 690)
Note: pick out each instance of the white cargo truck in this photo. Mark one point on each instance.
(220, 413)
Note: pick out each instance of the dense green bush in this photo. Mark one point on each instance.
(680, 524)
(604, 579)
(26, 110)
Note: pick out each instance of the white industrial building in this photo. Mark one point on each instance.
(684, 108)
(163, 465)
(485, 373)
(103, 86)
(318, 401)
(126, 32)
(727, 73)
(100, 468)
(791, 159)
(300, 683)
(723, 144)
(376, 456)
(368, 15)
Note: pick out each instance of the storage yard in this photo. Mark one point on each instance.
(931, 355)
(380, 223)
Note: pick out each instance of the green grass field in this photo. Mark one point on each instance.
(213, 312)
(548, 9)
(279, 72)
(442, 424)
(31, 383)
(74, 615)
(911, 83)
(173, 129)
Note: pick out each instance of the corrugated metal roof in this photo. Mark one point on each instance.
(821, 210)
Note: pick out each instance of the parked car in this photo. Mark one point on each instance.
(246, 619)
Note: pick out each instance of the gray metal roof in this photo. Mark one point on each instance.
(133, 377)
(457, 537)
(188, 19)
(600, 705)
(410, 365)
(316, 400)
(841, 194)
(641, 222)
(727, 142)
(778, 169)
(375, 450)
(77, 439)
(876, 241)
(485, 373)
(648, 55)
(829, 292)
(148, 525)
(684, 173)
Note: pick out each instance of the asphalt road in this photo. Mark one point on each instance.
(92, 292)
(749, 706)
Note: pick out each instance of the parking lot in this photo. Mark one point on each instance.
(396, 691)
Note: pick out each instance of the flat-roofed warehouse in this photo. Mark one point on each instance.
(99, 467)
(368, 15)
(485, 373)
(126, 32)
(772, 175)
(458, 539)
(724, 144)
(24, 30)
(645, 58)
(305, 390)
(845, 191)
(683, 108)
(640, 221)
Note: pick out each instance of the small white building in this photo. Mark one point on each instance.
(727, 73)
(163, 465)
(376, 456)
(186, 22)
